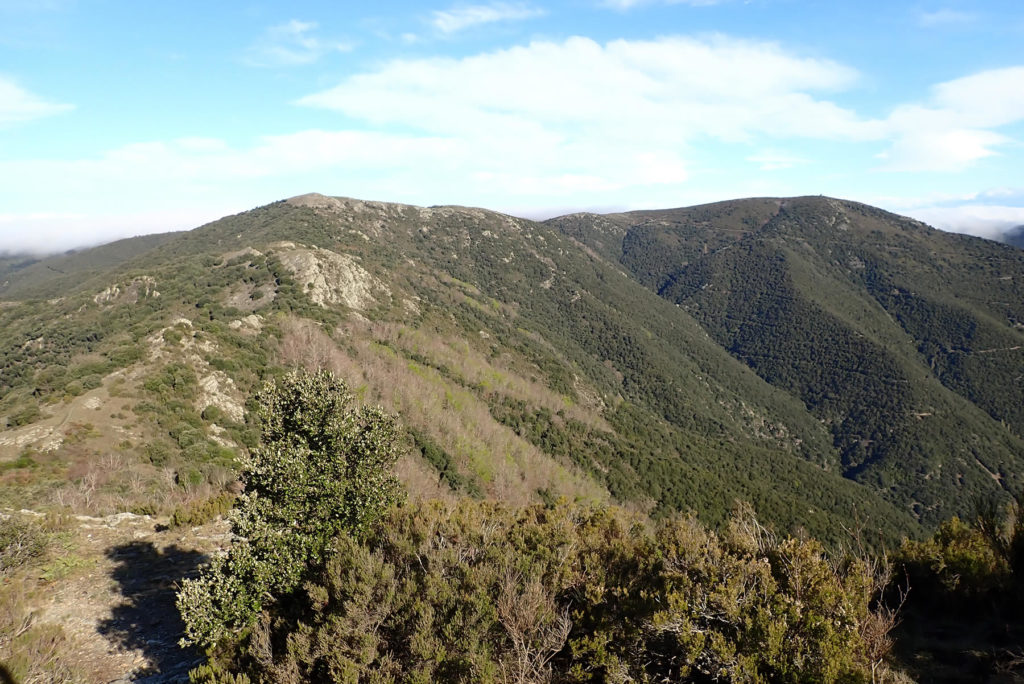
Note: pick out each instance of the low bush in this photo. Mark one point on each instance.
(21, 540)
(202, 512)
(485, 593)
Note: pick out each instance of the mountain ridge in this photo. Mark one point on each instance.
(578, 356)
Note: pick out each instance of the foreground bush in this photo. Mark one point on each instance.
(21, 540)
(322, 471)
(484, 593)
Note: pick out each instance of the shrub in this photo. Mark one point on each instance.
(322, 471)
(20, 541)
(963, 563)
(485, 593)
(27, 415)
(188, 477)
(212, 414)
(958, 559)
(202, 512)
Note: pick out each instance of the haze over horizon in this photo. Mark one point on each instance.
(119, 120)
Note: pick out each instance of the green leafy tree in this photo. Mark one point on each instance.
(322, 471)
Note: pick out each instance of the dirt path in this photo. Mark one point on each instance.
(116, 601)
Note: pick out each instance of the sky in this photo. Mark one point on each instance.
(120, 118)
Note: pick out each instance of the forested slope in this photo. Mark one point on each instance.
(905, 342)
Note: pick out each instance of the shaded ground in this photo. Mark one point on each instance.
(117, 598)
(984, 646)
(147, 621)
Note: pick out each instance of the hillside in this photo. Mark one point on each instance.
(906, 343)
(853, 375)
(526, 366)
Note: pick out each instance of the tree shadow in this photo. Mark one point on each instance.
(5, 675)
(148, 619)
(952, 642)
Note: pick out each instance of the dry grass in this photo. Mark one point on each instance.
(30, 651)
(116, 482)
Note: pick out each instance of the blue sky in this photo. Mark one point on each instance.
(122, 118)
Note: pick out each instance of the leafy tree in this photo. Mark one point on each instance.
(321, 472)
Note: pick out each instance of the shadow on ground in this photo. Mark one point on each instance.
(982, 642)
(148, 619)
(5, 675)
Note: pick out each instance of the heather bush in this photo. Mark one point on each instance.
(481, 592)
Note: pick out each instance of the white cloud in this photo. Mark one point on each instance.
(945, 17)
(667, 91)
(551, 118)
(954, 129)
(463, 17)
(939, 149)
(986, 99)
(291, 44)
(17, 104)
(983, 220)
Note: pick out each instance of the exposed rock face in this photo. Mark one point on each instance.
(330, 278)
(250, 323)
(143, 286)
(315, 200)
(217, 389)
(348, 205)
(25, 436)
